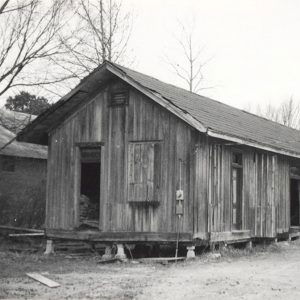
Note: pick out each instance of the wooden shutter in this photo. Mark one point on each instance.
(143, 171)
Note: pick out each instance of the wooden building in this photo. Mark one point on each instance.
(129, 153)
(23, 169)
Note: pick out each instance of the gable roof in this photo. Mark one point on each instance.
(20, 149)
(13, 120)
(204, 114)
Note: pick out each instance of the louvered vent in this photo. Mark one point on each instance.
(119, 98)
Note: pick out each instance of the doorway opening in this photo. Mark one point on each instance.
(90, 188)
(237, 191)
(294, 198)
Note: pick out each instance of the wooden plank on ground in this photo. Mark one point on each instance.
(162, 260)
(44, 280)
(26, 234)
(108, 261)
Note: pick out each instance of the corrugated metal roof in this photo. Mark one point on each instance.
(20, 149)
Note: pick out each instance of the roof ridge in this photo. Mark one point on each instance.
(244, 127)
(201, 96)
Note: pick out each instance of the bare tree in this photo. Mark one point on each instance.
(101, 32)
(269, 112)
(287, 113)
(5, 8)
(290, 113)
(190, 68)
(29, 39)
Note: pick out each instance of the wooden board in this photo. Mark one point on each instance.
(119, 236)
(44, 280)
(230, 236)
(34, 234)
(161, 260)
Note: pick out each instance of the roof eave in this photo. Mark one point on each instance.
(156, 97)
(239, 140)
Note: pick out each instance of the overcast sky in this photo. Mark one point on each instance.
(254, 45)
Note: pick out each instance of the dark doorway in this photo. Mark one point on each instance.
(294, 209)
(90, 187)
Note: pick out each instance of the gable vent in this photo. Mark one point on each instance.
(119, 98)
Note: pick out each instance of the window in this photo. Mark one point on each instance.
(144, 171)
(237, 158)
(295, 171)
(8, 163)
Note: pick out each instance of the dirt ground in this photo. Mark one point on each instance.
(271, 272)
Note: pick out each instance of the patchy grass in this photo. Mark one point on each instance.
(238, 271)
(14, 264)
(238, 251)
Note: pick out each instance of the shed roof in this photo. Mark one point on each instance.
(206, 115)
(18, 148)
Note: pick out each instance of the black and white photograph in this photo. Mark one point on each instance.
(150, 149)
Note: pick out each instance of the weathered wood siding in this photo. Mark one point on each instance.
(117, 127)
(265, 200)
(206, 173)
(213, 174)
(266, 194)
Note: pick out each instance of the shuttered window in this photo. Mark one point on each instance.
(144, 172)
